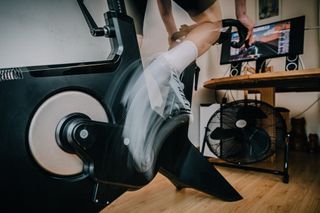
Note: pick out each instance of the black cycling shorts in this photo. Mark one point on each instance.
(137, 8)
(194, 7)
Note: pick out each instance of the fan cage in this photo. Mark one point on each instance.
(267, 134)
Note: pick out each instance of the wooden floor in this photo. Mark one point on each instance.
(261, 192)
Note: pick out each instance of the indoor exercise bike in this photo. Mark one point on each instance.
(61, 143)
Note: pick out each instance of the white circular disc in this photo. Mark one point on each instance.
(42, 141)
(241, 123)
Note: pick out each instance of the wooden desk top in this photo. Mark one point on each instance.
(282, 81)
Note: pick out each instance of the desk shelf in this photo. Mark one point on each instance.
(283, 81)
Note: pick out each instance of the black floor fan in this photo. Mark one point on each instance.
(247, 131)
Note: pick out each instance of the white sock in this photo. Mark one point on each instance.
(160, 71)
(182, 55)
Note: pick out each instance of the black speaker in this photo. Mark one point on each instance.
(292, 62)
(235, 69)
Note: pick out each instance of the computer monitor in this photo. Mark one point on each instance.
(277, 39)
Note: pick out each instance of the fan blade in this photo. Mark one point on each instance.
(260, 143)
(251, 112)
(220, 133)
(255, 145)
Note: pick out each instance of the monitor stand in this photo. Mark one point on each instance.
(260, 65)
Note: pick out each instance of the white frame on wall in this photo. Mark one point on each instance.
(270, 19)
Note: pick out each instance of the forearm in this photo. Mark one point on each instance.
(165, 9)
(241, 9)
(241, 13)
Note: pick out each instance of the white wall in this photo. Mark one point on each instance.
(37, 32)
(297, 102)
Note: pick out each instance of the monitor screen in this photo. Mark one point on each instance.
(271, 40)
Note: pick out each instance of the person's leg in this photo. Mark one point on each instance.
(162, 75)
(201, 36)
(206, 31)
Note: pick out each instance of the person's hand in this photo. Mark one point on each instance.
(184, 30)
(173, 40)
(249, 24)
(177, 37)
(172, 43)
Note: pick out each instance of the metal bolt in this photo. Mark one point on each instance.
(84, 133)
(126, 141)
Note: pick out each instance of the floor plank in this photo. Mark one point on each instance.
(262, 192)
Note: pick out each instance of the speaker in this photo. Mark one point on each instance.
(235, 69)
(292, 62)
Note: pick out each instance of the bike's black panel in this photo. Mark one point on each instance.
(26, 185)
(184, 165)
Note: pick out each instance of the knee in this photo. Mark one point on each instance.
(205, 35)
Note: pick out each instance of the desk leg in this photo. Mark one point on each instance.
(286, 161)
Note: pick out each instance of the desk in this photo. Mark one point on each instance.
(282, 81)
(307, 80)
